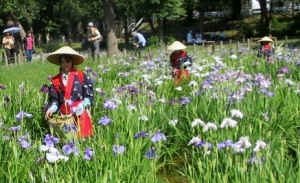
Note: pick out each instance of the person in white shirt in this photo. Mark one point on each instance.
(94, 37)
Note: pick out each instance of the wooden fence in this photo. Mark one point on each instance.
(249, 42)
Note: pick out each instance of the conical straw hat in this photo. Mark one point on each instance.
(176, 45)
(66, 50)
(266, 38)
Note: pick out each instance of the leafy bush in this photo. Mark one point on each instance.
(154, 40)
(248, 30)
(279, 28)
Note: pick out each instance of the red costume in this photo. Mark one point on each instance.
(176, 57)
(85, 127)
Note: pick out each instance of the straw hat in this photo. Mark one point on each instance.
(266, 38)
(66, 50)
(176, 45)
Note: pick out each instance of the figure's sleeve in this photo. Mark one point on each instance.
(87, 90)
(98, 34)
(53, 97)
(4, 40)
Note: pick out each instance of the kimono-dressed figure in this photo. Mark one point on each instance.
(179, 61)
(265, 47)
(71, 91)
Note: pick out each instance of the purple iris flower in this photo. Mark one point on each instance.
(109, 105)
(88, 153)
(15, 128)
(151, 153)
(22, 115)
(2, 86)
(118, 149)
(203, 144)
(158, 136)
(24, 143)
(185, 100)
(88, 69)
(141, 134)
(283, 70)
(24, 137)
(70, 127)
(104, 121)
(174, 101)
(224, 144)
(50, 140)
(44, 88)
(70, 148)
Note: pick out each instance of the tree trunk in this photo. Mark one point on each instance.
(149, 19)
(236, 9)
(201, 21)
(264, 19)
(109, 19)
(189, 20)
(160, 22)
(165, 20)
(126, 30)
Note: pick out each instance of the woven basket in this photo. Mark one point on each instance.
(61, 128)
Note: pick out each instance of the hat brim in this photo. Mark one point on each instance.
(53, 57)
(176, 46)
(265, 39)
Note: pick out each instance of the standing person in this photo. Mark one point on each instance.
(71, 91)
(28, 45)
(94, 37)
(9, 45)
(179, 61)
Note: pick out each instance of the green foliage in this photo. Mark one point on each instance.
(248, 29)
(280, 28)
(154, 40)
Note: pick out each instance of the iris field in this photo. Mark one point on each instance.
(235, 120)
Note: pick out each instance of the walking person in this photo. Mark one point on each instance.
(9, 45)
(28, 45)
(71, 92)
(94, 38)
